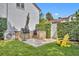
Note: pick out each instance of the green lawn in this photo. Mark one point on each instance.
(17, 48)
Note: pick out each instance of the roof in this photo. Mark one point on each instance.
(36, 6)
(56, 20)
(64, 17)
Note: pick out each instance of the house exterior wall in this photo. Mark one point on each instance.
(3, 12)
(17, 17)
(34, 16)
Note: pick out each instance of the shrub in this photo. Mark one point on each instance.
(44, 25)
(72, 28)
(3, 26)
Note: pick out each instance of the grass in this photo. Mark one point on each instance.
(18, 48)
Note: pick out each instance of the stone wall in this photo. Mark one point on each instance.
(41, 35)
(21, 36)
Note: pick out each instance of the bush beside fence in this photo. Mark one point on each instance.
(72, 28)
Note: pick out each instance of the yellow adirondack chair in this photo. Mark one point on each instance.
(64, 42)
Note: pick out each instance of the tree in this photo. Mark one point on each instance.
(43, 21)
(49, 16)
(41, 16)
(77, 14)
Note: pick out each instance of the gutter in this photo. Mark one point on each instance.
(36, 7)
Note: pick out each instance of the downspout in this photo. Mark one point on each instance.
(6, 9)
(7, 18)
(7, 13)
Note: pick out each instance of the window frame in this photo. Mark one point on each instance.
(21, 5)
(18, 5)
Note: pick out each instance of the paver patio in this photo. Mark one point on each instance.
(37, 42)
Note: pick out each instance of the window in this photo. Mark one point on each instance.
(33, 13)
(20, 5)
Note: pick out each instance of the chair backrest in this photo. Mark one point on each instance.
(66, 37)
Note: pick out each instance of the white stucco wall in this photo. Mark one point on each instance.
(3, 10)
(34, 16)
(54, 30)
(17, 17)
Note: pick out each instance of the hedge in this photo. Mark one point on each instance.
(3, 26)
(45, 27)
(72, 28)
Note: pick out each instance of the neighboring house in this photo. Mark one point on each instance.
(16, 14)
(72, 17)
(68, 18)
(57, 20)
(65, 19)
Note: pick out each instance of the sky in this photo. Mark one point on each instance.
(58, 9)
